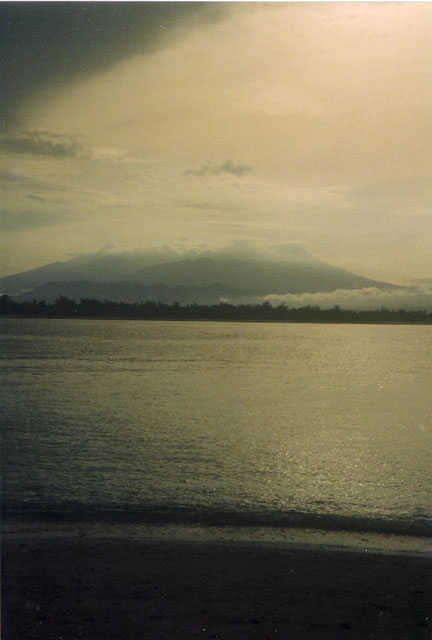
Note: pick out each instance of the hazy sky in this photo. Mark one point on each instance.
(135, 125)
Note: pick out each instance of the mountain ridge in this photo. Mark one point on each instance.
(203, 278)
(263, 277)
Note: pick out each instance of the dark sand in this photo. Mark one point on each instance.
(70, 590)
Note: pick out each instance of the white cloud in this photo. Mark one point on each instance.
(410, 298)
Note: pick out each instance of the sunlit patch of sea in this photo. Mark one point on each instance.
(263, 431)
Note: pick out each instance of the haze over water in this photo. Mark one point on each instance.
(219, 423)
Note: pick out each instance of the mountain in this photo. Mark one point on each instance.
(259, 277)
(130, 292)
(238, 274)
(103, 266)
(114, 266)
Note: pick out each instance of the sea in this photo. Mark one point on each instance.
(261, 433)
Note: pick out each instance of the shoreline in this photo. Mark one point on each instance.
(125, 590)
(288, 537)
(217, 320)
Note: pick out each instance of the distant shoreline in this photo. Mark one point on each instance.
(251, 321)
(87, 308)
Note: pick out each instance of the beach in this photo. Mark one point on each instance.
(123, 590)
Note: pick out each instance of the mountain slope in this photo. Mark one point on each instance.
(186, 277)
(130, 292)
(261, 277)
(103, 266)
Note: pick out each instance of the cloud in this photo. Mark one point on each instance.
(30, 219)
(18, 182)
(205, 206)
(229, 225)
(107, 248)
(46, 45)
(414, 298)
(40, 143)
(32, 196)
(292, 252)
(228, 167)
(37, 198)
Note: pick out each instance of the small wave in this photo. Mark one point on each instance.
(163, 514)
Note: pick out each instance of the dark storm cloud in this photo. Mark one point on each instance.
(47, 44)
(40, 144)
(31, 219)
(228, 167)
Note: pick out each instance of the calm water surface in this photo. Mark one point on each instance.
(219, 422)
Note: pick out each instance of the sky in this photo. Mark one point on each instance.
(201, 125)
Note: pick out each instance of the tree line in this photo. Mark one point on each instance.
(63, 307)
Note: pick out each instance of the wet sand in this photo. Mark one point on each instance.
(117, 590)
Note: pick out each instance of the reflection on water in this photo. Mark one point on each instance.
(223, 417)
